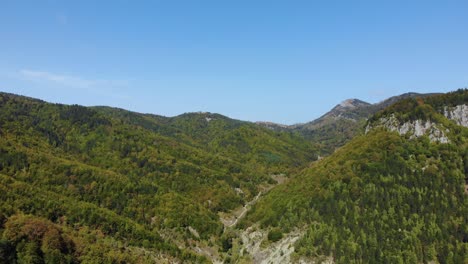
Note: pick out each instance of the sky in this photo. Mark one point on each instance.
(281, 61)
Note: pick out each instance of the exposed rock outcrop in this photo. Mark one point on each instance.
(275, 253)
(416, 128)
(459, 114)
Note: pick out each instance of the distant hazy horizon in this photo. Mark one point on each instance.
(280, 62)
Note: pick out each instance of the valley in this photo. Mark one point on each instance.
(364, 183)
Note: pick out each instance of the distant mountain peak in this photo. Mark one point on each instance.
(352, 103)
(345, 109)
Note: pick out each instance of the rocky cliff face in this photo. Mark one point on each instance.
(417, 128)
(459, 114)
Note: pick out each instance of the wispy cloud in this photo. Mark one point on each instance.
(69, 80)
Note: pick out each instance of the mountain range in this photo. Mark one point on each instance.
(344, 121)
(364, 183)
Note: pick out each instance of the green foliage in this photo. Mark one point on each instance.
(6, 251)
(334, 133)
(28, 253)
(227, 241)
(98, 185)
(382, 198)
(123, 177)
(275, 234)
(37, 241)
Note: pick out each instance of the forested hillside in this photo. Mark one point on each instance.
(105, 185)
(384, 197)
(120, 179)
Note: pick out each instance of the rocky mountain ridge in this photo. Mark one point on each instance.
(436, 131)
(339, 125)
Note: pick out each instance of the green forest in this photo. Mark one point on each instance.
(105, 185)
(382, 198)
(122, 176)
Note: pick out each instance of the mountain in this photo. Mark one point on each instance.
(341, 124)
(336, 127)
(106, 184)
(395, 194)
(351, 109)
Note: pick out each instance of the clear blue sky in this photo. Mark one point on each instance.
(281, 61)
